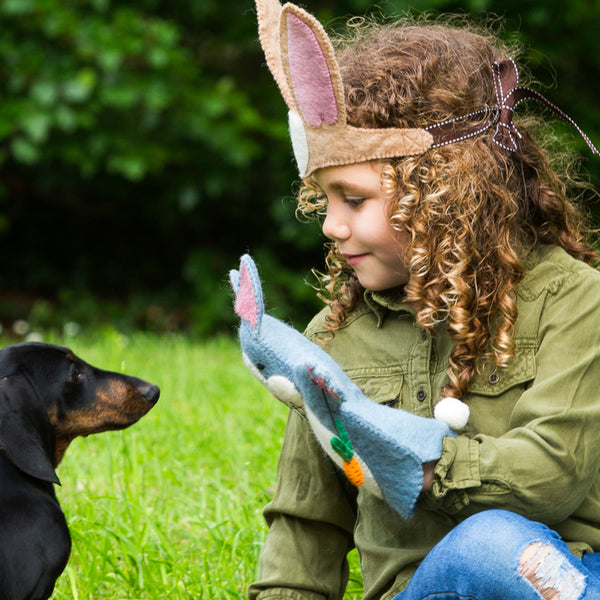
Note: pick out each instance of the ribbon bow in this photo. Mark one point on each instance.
(508, 96)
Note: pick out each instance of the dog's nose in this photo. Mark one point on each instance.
(151, 394)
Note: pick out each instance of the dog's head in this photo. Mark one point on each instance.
(49, 396)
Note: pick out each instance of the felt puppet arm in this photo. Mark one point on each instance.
(377, 446)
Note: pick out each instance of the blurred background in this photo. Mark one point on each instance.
(144, 147)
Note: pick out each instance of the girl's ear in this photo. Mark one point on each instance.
(249, 304)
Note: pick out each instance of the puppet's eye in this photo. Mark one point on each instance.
(260, 366)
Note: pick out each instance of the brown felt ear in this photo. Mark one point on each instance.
(269, 14)
(301, 57)
(26, 435)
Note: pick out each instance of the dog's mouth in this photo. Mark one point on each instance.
(115, 406)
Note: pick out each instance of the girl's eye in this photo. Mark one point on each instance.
(354, 201)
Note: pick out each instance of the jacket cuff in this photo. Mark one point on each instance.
(288, 594)
(456, 471)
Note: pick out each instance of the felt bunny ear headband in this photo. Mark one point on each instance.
(301, 58)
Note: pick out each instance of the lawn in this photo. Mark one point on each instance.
(171, 507)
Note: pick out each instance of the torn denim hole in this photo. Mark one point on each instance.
(550, 573)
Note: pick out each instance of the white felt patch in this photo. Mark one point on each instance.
(453, 412)
(284, 390)
(252, 368)
(281, 387)
(299, 141)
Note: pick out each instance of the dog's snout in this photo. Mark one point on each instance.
(151, 394)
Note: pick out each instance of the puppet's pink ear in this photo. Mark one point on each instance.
(311, 68)
(248, 300)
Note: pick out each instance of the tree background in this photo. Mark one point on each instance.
(144, 147)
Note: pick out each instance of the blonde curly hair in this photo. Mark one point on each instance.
(472, 210)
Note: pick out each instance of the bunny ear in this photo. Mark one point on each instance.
(249, 304)
(234, 280)
(310, 68)
(269, 14)
(301, 57)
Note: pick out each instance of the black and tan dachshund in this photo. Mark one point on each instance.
(48, 397)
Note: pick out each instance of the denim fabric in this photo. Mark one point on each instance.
(479, 560)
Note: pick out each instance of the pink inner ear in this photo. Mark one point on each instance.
(311, 79)
(245, 302)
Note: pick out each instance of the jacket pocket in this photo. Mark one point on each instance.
(495, 382)
(383, 389)
(493, 394)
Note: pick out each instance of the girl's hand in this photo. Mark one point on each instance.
(428, 468)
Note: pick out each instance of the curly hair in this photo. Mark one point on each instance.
(472, 210)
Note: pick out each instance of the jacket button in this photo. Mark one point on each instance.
(494, 378)
(421, 395)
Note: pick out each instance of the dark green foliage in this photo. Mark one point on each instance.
(143, 148)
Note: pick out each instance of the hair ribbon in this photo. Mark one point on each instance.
(508, 96)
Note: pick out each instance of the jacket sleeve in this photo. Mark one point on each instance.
(310, 519)
(544, 465)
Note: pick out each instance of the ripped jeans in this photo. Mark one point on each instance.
(499, 555)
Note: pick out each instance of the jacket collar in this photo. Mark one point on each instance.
(382, 303)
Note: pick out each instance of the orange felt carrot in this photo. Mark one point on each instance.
(353, 472)
(343, 446)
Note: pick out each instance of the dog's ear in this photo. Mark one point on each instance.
(25, 432)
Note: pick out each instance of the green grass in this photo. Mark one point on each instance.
(171, 507)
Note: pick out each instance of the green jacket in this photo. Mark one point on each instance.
(532, 444)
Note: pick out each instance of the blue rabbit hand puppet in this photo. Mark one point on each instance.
(378, 447)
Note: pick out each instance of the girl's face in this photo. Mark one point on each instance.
(357, 221)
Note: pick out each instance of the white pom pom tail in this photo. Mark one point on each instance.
(453, 412)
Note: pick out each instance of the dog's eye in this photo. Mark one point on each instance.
(75, 376)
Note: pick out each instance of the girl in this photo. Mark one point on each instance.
(459, 266)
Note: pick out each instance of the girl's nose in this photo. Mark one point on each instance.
(335, 227)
